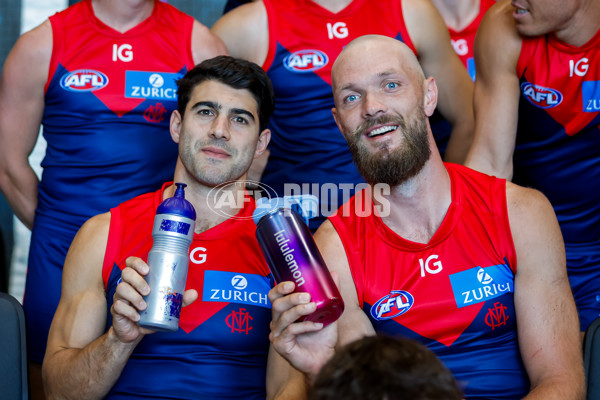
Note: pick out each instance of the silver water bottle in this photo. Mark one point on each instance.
(168, 260)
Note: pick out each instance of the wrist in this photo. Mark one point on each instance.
(115, 340)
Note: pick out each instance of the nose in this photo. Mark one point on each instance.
(373, 105)
(220, 128)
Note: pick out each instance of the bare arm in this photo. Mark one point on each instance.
(21, 106)
(245, 32)
(354, 323)
(205, 44)
(284, 382)
(82, 360)
(307, 345)
(438, 59)
(496, 96)
(547, 324)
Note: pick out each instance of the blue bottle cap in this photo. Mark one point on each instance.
(306, 205)
(178, 205)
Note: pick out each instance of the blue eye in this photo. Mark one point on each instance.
(391, 85)
(351, 98)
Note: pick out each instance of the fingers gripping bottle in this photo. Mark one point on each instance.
(168, 260)
(292, 255)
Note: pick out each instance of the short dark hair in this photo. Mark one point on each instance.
(234, 72)
(383, 367)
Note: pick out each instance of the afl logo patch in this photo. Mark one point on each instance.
(83, 80)
(305, 61)
(541, 97)
(394, 304)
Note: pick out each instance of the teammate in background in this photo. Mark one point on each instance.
(221, 347)
(385, 368)
(470, 265)
(297, 41)
(231, 4)
(462, 17)
(537, 102)
(100, 78)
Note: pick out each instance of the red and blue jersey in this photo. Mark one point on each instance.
(304, 41)
(108, 102)
(463, 40)
(558, 138)
(220, 350)
(557, 151)
(454, 294)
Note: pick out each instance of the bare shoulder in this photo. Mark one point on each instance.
(30, 56)
(327, 234)
(245, 31)
(533, 223)
(205, 44)
(37, 42)
(525, 203)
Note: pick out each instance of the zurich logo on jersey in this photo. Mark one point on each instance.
(84, 80)
(394, 304)
(478, 284)
(233, 287)
(305, 61)
(590, 91)
(541, 97)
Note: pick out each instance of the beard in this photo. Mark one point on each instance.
(212, 172)
(392, 166)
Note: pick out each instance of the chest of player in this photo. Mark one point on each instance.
(561, 80)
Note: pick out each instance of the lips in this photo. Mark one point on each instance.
(216, 152)
(381, 130)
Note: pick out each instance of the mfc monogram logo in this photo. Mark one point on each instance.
(155, 113)
(496, 316)
(239, 321)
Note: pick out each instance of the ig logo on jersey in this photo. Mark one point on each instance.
(394, 304)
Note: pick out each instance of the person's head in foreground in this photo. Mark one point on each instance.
(385, 368)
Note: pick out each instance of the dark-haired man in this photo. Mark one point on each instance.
(96, 349)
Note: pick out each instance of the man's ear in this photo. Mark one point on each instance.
(175, 125)
(431, 96)
(335, 118)
(263, 141)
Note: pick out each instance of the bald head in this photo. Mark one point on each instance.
(372, 49)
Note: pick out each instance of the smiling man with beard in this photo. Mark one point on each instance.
(470, 265)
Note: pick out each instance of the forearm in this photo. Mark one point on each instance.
(86, 373)
(557, 389)
(20, 189)
(459, 143)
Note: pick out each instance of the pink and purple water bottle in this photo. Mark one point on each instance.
(292, 255)
(168, 261)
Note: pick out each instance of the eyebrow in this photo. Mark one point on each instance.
(219, 107)
(380, 75)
